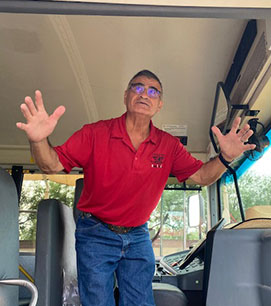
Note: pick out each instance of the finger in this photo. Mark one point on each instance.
(26, 112)
(243, 131)
(249, 147)
(247, 136)
(58, 113)
(217, 132)
(246, 127)
(39, 101)
(21, 126)
(29, 102)
(235, 124)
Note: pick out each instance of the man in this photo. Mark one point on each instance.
(126, 163)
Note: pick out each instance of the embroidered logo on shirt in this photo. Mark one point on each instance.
(157, 160)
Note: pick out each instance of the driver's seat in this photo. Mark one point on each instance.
(166, 294)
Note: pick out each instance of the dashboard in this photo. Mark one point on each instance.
(185, 269)
(188, 279)
(171, 266)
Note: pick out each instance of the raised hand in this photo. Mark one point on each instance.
(234, 143)
(39, 125)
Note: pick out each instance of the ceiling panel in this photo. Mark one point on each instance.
(85, 63)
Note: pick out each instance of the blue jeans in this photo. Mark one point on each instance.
(101, 253)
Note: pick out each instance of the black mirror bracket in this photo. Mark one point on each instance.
(246, 111)
(232, 171)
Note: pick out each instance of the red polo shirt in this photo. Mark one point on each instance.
(122, 186)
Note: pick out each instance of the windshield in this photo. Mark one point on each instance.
(169, 225)
(255, 189)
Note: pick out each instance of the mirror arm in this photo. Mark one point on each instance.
(232, 171)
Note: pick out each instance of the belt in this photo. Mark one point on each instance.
(114, 228)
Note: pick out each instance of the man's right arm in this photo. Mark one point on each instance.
(46, 157)
(39, 125)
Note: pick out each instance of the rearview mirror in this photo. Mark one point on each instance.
(220, 115)
(195, 210)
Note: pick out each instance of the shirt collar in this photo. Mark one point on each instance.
(119, 130)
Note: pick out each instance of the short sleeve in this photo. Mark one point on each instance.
(76, 151)
(184, 164)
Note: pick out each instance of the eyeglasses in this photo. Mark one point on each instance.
(139, 88)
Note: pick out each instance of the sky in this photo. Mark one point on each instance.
(263, 165)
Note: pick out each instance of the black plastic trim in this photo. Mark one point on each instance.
(110, 9)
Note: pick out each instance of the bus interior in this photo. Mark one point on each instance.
(211, 243)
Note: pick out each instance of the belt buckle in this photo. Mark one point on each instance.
(84, 214)
(119, 229)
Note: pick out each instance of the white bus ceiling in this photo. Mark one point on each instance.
(85, 63)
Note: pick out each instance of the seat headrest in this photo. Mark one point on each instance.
(79, 185)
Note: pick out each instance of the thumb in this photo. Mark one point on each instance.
(217, 132)
(58, 112)
(21, 126)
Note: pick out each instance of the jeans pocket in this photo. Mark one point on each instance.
(86, 224)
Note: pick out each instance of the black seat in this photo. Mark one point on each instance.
(55, 267)
(166, 294)
(79, 185)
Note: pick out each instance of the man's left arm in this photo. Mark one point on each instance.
(232, 145)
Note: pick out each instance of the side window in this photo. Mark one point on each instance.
(37, 187)
(169, 226)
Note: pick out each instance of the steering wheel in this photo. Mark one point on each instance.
(199, 249)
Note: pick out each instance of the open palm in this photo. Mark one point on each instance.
(39, 125)
(234, 143)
